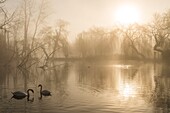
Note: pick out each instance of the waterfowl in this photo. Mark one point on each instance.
(21, 95)
(44, 92)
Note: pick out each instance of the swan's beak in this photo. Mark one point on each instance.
(32, 91)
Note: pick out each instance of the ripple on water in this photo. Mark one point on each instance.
(98, 89)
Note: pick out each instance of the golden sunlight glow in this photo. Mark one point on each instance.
(127, 14)
(127, 91)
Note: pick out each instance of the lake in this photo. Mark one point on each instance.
(93, 87)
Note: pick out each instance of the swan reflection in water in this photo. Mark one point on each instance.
(43, 92)
(21, 95)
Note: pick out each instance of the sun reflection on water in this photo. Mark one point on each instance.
(127, 90)
(122, 66)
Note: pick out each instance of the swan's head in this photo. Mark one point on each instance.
(31, 90)
(39, 85)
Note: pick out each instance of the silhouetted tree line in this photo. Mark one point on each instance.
(27, 39)
(132, 41)
(141, 41)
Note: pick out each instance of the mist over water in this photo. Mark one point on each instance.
(95, 87)
(86, 56)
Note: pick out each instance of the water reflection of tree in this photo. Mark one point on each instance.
(61, 81)
(94, 77)
(102, 77)
(11, 79)
(161, 95)
(55, 79)
(4, 81)
(135, 81)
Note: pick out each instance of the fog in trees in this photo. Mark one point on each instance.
(119, 63)
(27, 39)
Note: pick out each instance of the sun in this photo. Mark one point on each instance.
(127, 14)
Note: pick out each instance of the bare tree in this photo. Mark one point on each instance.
(56, 41)
(136, 41)
(5, 24)
(31, 23)
(40, 18)
(160, 29)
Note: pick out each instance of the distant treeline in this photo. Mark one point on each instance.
(25, 35)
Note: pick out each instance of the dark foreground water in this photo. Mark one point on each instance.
(93, 87)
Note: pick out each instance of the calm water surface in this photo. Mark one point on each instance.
(93, 87)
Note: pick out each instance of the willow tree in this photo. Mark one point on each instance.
(81, 45)
(96, 42)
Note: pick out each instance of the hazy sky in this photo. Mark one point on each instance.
(83, 14)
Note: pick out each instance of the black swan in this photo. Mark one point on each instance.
(44, 92)
(21, 95)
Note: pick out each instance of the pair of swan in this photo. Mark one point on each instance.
(21, 95)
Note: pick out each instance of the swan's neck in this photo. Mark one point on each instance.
(28, 93)
(40, 89)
